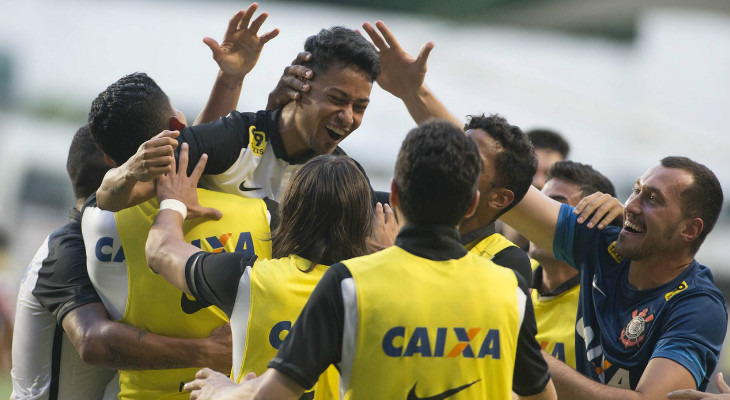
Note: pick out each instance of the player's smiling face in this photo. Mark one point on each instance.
(333, 108)
(653, 215)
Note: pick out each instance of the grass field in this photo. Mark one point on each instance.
(5, 387)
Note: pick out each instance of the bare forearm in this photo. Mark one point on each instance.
(423, 105)
(166, 249)
(570, 384)
(223, 98)
(130, 348)
(117, 190)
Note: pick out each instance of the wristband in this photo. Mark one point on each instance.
(173, 204)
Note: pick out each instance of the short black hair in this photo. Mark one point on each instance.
(550, 140)
(128, 113)
(586, 178)
(702, 199)
(343, 46)
(516, 162)
(85, 164)
(436, 173)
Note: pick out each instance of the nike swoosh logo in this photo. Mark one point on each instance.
(189, 306)
(242, 187)
(595, 286)
(412, 394)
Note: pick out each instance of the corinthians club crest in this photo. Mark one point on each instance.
(634, 332)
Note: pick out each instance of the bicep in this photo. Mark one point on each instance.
(535, 217)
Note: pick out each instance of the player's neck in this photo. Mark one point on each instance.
(555, 273)
(288, 130)
(656, 271)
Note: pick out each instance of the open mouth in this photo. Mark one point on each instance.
(334, 133)
(632, 227)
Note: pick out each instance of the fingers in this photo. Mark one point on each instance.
(198, 211)
(233, 22)
(269, 35)
(246, 17)
(375, 36)
(423, 54)
(184, 154)
(213, 46)
(687, 394)
(585, 202)
(203, 373)
(302, 57)
(169, 134)
(389, 214)
(256, 24)
(387, 34)
(721, 385)
(379, 214)
(199, 167)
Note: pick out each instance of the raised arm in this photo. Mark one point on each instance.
(105, 343)
(236, 56)
(167, 252)
(535, 217)
(403, 76)
(131, 183)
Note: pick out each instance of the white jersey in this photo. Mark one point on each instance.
(45, 364)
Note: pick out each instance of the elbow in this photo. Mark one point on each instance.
(155, 250)
(93, 349)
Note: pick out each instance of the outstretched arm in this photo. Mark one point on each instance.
(660, 377)
(105, 343)
(236, 56)
(403, 75)
(166, 250)
(272, 384)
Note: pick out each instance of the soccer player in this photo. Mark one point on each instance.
(556, 284)
(115, 241)
(65, 346)
(650, 318)
(550, 147)
(252, 154)
(326, 217)
(423, 318)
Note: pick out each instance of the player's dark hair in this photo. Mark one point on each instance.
(339, 45)
(436, 173)
(516, 163)
(128, 113)
(702, 199)
(550, 140)
(85, 164)
(586, 178)
(326, 212)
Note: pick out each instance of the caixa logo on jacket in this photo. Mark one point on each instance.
(431, 342)
(106, 250)
(217, 244)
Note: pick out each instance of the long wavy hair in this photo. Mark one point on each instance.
(326, 212)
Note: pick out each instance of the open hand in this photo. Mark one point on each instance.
(400, 73)
(241, 46)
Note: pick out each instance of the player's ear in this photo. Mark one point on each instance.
(394, 198)
(500, 198)
(473, 205)
(692, 229)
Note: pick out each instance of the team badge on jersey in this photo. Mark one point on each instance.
(256, 141)
(635, 331)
